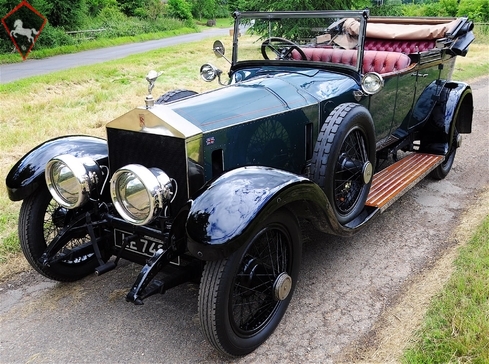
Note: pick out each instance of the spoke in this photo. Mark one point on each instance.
(274, 270)
(254, 289)
(363, 149)
(274, 50)
(252, 299)
(256, 302)
(251, 320)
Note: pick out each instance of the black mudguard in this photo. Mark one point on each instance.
(223, 216)
(455, 112)
(460, 99)
(460, 106)
(424, 105)
(27, 174)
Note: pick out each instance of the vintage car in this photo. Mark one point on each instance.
(326, 117)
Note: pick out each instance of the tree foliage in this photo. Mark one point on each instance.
(67, 14)
(476, 10)
(180, 9)
(94, 7)
(131, 7)
(129, 17)
(290, 5)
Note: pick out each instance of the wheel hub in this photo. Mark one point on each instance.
(59, 217)
(282, 286)
(367, 172)
(356, 166)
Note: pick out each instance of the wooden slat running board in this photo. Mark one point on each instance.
(391, 183)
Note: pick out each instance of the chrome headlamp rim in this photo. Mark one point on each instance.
(209, 72)
(372, 83)
(145, 207)
(70, 179)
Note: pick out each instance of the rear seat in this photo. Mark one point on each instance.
(373, 61)
(397, 45)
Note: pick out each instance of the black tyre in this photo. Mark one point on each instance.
(438, 128)
(441, 171)
(40, 220)
(174, 96)
(434, 132)
(343, 159)
(243, 298)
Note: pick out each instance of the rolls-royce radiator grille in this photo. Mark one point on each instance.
(164, 152)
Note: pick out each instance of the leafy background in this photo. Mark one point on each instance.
(125, 18)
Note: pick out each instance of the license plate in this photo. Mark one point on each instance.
(145, 246)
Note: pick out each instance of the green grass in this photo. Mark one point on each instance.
(14, 57)
(93, 44)
(456, 328)
(8, 235)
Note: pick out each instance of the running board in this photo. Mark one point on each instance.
(391, 183)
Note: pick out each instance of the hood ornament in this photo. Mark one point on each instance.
(151, 78)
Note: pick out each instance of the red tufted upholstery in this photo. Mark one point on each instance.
(373, 61)
(384, 62)
(395, 45)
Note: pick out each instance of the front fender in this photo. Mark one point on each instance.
(224, 215)
(226, 210)
(27, 174)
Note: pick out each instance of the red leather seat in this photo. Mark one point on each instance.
(373, 61)
(384, 62)
(402, 46)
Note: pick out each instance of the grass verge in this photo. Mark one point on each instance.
(14, 57)
(456, 327)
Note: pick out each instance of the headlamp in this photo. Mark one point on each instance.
(140, 193)
(71, 180)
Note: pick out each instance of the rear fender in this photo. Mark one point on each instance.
(426, 102)
(460, 106)
(27, 175)
(454, 112)
(222, 218)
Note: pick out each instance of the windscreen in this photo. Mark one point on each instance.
(317, 37)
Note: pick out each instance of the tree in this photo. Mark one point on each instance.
(66, 14)
(131, 7)
(289, 5)
(448, 7)
(476, 10)
(180, 9)
(95, 6)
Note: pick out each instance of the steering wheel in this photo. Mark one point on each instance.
(282, 48)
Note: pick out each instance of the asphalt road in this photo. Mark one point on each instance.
(344, 287)
(34, 67)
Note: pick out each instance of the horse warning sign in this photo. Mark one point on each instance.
(23, 25)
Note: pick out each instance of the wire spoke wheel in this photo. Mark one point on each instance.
(343, 159)
(253, 302)
(243, 298)
(349, 177)
(41, 219)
